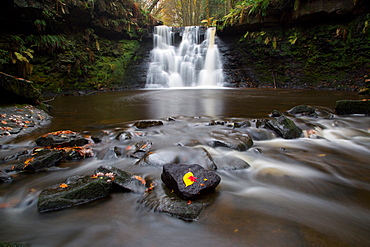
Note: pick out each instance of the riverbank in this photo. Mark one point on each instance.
(20, 120)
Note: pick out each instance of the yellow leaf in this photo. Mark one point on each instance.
(63, 185)
(189, 179)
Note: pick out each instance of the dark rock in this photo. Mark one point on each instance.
(275, 113)
(303, 110)
(40, 161)
(147, 123)
(17, 90)
(62, 138)
(5, 178)
(184, 155)
(228, 163)
(284, 127)
(13, 244)
(99, 136)
(347, 107)
(162, 200)
(74, 191)
(140, 149)
(204, 181)
(231, 139)
(123, 179)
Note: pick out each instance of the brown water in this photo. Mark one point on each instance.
(303, 192)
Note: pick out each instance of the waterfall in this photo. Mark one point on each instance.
(193, 63)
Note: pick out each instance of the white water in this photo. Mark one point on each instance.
(191, 64)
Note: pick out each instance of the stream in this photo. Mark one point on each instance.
(300, 192)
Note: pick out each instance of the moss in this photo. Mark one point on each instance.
(329, 55)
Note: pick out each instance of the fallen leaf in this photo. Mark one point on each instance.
(142, 180)
(63, 185)
(189, 179)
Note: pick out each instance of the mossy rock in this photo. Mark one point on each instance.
(348, 107)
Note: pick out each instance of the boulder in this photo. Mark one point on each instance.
(163, 201)
(147, 123)
(122, 179)
(180, 154)
(231, 139)
(303, 110)
(74, 191)
(5, 178)
(62, 138)
(284, 127)
(347, 107)
(40, 161)
(189, 181)
(139, 149)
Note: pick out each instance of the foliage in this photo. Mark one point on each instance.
(47, 42)
(331, 55)
(244, 9)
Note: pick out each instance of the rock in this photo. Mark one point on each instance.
(303, 110)
(74, 191)
(228, 162)
(162, 200)
(140, 149)
(123, 179)
(275, 113)
(347, 107)
(284, 127)
(147, 123)
(62, 138)
(18, 90)
(189, 181)
(124, 136)
(14, 244)
(184, 155)
(5, 178)
(231, 139)
(40, 161)
(99, 136)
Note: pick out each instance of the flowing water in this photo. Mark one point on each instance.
(301, 192)
(192, 64)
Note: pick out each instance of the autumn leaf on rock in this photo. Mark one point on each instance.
(189, 179)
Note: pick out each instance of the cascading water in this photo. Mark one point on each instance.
(192, 64)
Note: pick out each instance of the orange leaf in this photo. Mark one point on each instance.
(63, 185)
(142, 180)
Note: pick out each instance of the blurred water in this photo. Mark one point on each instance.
(302, 192)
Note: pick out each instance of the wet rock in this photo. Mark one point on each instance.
(5, 178)
(304, 110)
(184, 155)
(74, 191)
(14, 244)
(275, 113)
(284, 127)
(124, 136)
(347, 107)
(163, 201)
(62, 138)
(123, 179)
(231, 139)
(140, 149)
(99, 136)
(40, 161)
(189, 181)
(147, 123)
(229, 163)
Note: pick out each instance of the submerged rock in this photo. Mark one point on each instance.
(179, 154)
(163, 201)
(231, 139)
(189, 181)
(140, 149)
(40, 161)
(5, 178)
(123, 179)
(74, 191)
(147, 123)
(284, 127)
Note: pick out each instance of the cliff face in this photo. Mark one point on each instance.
(315, 44)
(72, 44)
